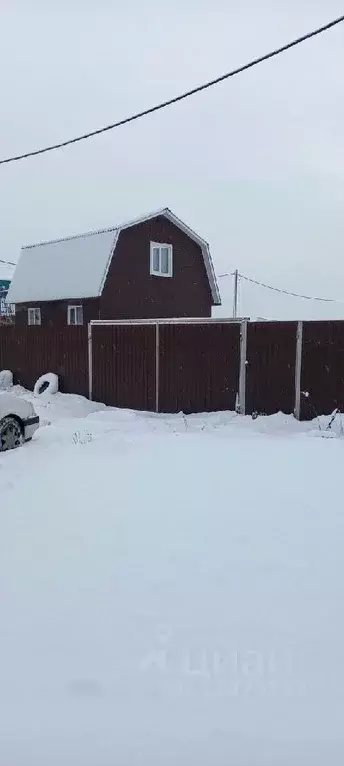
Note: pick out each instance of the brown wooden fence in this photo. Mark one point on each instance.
(322, 371)
(198, 367)
(166, 367)
(31, 351)
(270, 374)
(171, 366)
(123, 366)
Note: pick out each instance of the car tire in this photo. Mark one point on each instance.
(11, 434)
(46, 384)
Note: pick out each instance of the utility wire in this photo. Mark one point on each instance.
(8, 263)
(279, 290)
(176, 99)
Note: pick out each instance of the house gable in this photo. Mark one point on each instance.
(131, 291)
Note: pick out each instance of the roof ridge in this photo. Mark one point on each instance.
(72, 236)
(123, 225)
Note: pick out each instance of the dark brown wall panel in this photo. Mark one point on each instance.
(322, 371)
(198, 367)
(131, 292)
(270, 369)
(124, 366)
(32, 351)
(55, 313)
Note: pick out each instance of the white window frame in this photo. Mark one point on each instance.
(157, 272)
(34, 318)
(75, 308)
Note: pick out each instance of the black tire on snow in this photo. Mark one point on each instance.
(43, 387)
(11, 435)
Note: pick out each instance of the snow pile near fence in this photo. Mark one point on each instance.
(171, 591)
(6, 380)
(58, 408)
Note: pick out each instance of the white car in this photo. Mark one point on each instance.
(18, 421)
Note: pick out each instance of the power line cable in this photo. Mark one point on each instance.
(8, 263)
(280, 290)
(176, 99)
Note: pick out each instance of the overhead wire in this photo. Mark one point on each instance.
(280, 290)
(176, 99)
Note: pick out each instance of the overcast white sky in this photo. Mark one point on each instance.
(255, 165)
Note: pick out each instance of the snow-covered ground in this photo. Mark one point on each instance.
(171, 591)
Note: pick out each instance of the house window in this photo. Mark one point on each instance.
(161, 260)
(34, 316)
(75, 315)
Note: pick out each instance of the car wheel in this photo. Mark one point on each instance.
(10, 434)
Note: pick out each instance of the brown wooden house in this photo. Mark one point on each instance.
(154, 267)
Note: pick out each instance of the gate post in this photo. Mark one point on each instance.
(298, 366)
(90, 361)
(157, 366)
(243, 365)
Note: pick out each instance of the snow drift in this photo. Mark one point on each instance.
(171, 594)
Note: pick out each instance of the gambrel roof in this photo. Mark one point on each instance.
(76, 267)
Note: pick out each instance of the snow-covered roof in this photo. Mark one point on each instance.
(76, 267)
(68, 268)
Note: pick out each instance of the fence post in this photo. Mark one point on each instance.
(157, 366)
(90, 361)
(298, 366)
(243, 365)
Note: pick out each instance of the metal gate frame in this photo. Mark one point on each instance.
(177, 321)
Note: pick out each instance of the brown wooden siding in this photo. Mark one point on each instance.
(130, 292)
(32, 351)
(270, 369)
(124, 366)
(55, 313)
(322, 371)
(198, 367)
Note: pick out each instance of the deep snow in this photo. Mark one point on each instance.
(171, 591)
